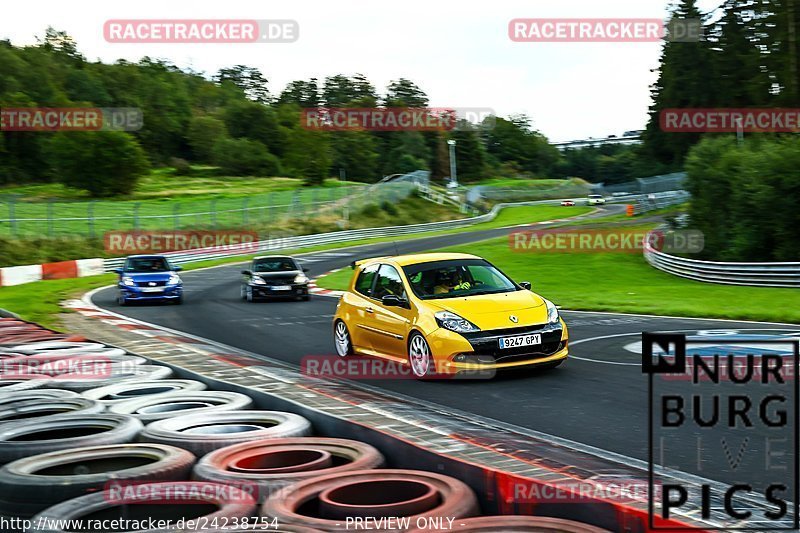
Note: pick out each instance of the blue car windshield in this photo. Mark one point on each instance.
(147, 264)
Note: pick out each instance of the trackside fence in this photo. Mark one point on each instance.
(306, 241)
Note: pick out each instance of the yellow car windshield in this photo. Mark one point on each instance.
(456, 278)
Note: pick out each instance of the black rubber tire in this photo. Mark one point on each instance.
(59, 347)
(220, 401)
(132, 389)
(34, 394)
(11, 385)
(44, 407)
(63, 432)
(138, 372)
(102, 502)
(455, 499)
(32, 484)
(176, 431)
(349, 455)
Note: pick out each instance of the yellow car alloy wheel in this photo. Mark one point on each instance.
(342, 339)
(419, 356)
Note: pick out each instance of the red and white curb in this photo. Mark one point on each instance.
(313, 289)
(79, 268)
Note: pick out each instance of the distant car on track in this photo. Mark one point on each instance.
(596, 199)
(274, 276)
(445, 314)
(567, 202)
(148, 278)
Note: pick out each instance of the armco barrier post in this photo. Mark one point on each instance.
(136, 207)
(50, 218)
(11, 215)
(90, 217)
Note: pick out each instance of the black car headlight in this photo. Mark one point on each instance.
(258, 281)
(453, 322)
(300, 278)
(552, 312)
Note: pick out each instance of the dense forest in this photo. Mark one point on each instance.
(232, 121)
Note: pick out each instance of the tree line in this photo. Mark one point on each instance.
(745, 191)
(233, 122)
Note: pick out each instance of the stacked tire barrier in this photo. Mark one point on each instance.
(145, 451)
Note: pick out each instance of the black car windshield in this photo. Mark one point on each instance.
(147, 264)
(278, 264)
(456, 278)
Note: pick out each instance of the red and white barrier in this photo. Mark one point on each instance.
(17, 275)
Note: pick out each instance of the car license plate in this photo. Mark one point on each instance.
(153, 289)
(282, 288)
(521, 340)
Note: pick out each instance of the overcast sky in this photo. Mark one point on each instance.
(458, 52)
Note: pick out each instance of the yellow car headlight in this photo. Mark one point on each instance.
(552, 312)
(453, 322)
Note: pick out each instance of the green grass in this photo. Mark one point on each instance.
(624, 283)
(180, 201)
(530, 214)
(39, 302)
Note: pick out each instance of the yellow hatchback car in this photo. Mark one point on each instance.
(446, 314)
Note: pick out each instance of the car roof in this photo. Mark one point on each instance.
(146, 256)
(273, 257)
(413, 259)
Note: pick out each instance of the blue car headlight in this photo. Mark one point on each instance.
(128, 281)
(174, 279)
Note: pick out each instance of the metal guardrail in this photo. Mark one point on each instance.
(304, 241)
(755, 274)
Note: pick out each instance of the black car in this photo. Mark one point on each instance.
(274, 276)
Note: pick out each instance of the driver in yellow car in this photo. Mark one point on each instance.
(449, 282)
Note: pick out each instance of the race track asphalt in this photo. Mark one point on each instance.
(599, 397)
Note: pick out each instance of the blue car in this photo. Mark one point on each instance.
(148, 278)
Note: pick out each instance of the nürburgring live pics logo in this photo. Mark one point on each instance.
(729, 414)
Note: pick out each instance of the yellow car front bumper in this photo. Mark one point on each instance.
(447, 345)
